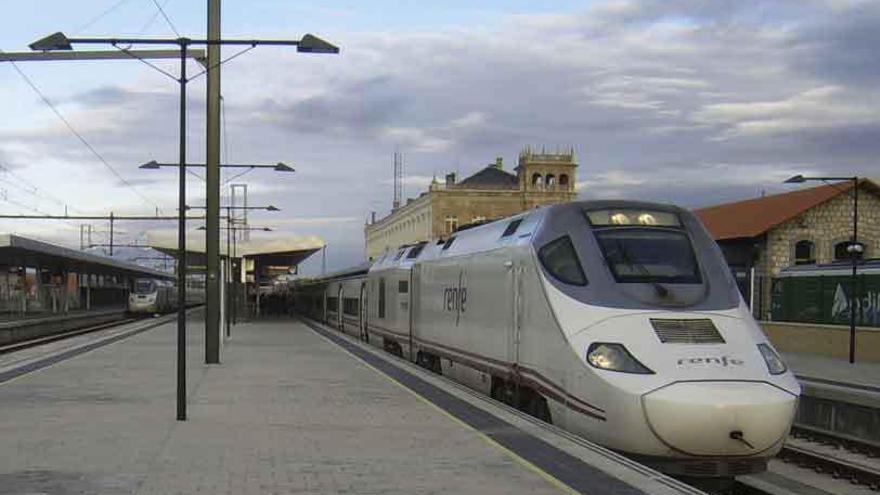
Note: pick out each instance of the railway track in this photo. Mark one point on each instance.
(857, 471)
(17, 346)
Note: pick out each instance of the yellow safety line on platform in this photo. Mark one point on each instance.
(549, 478)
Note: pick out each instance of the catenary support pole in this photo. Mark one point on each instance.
(181, 247)
(854, 254)
(212, 181)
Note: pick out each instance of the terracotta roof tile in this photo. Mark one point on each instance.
(753, 217)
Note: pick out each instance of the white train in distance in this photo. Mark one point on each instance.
(616, 320)
(151, 296)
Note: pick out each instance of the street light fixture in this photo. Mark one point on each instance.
(854, 249)
(308, 44)
(278, 167)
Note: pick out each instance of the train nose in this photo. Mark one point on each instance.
(720, 418)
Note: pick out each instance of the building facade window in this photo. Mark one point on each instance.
(804, 252)
(563, 180)
(550, 180)
(451, 223)
(841, 252)
(537, 180)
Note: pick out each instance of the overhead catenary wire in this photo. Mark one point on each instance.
(100, 16)
(30, 188)
(167, 19)
(79, 136)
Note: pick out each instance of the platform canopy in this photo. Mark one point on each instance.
(288, 252)
(22, 251)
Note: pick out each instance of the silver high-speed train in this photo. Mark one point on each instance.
(617, 320)
(151, 296)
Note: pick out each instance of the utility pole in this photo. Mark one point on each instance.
(212, 180)
(111, 234)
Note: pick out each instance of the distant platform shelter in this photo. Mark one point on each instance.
(40, 277)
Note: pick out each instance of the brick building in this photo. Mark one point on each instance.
(539, 179)
(761, 236)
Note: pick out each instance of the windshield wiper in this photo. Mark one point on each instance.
(627, 258)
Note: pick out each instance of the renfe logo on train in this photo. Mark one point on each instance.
(719, 360)
(455, 298)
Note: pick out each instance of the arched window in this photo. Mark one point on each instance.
(804, 253)
(550, 180)
(842, 253)
(563, 180)
(537, 180)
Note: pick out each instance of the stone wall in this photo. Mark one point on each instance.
(823, 340)
(825, 225)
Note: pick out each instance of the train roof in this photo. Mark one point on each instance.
(513, 230)
(836, 269)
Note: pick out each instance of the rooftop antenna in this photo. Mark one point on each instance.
(398, 179)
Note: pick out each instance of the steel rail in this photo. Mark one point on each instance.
(73, 332)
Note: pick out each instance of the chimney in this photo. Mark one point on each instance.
(499, 163)
(373, 217)
(450, 179)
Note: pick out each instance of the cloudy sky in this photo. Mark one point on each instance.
(686, 101)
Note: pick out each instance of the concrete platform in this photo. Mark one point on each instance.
(288, 411)
(810, 366)
(838, 398)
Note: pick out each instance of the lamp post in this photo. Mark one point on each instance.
(308, 44)
(854, 249)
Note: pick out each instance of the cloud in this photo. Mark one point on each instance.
(817, 108)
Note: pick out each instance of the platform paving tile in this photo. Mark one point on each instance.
(287, 412)
(841, 370)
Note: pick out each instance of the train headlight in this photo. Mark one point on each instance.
(614, 357)
(774, 363)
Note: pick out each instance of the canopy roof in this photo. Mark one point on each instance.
(18, 251)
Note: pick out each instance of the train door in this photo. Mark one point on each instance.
(362, 311)
(515, 272)
(324, 306)
(339, 323)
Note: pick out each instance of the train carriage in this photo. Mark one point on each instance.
(616, 320)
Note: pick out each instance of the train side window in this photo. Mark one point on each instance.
(416, 251)
(381, 298)
(560, 259)
(448, 243)
(511, 228)
(350, 306)
(403, 286)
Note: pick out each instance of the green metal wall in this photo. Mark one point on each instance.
(826, 299)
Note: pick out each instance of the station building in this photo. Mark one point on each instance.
(491, 193)
(761, 236)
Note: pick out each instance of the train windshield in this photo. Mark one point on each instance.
(144, 286)
(649, 255)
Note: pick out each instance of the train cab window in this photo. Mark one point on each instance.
(403, 286)
(560, 259)
(448, 243)
(637, 255)
(511, 228)
(144, 286)
(399, 254)
(381, 298)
